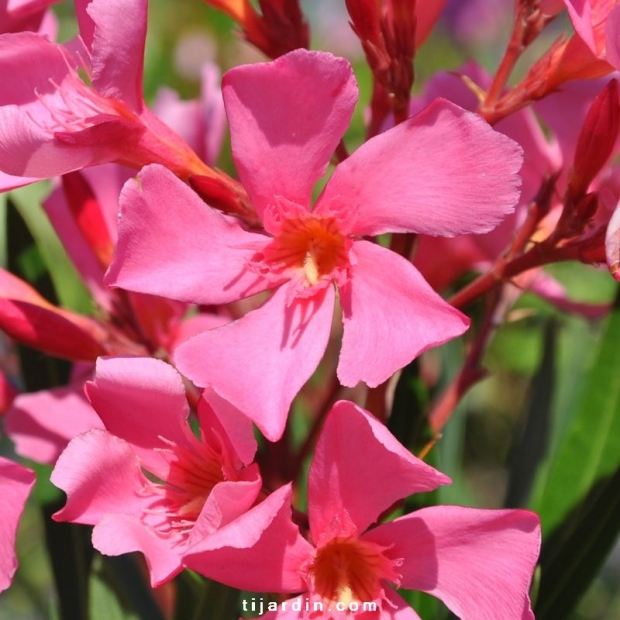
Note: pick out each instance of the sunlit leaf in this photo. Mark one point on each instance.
(573, 555)
(68, 285)
(591, 446)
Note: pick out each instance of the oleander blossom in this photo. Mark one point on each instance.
(146, 482)
(16, 482)
(476, 561)
(442, 172)
(52, 122)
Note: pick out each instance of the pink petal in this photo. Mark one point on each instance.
(99, 473)
(201, 123)
(365, 481)
(19, 15)
(8, 182)
(117, 534)
(118, 48)
(612, 244)
(574, 99)
(581, 17)
(233, 429)
(612, 36)
(54, 331)
(194, 325)
(261, 361)
(157, 318)
(140, 400)
(29, 151)
(15, 484)
(107, 181)
(540, 158)
(30, 64)
(226, 502)
(41, 424)
(476, 561)
(262, 551)
(286, 118)
(390, 316)
(441, 260)
(79, 251)
(443, 172)
(185, 245)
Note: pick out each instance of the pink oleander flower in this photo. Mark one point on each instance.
(51, 122)
(442, 172)
(597, 22)
(476, 561)
(83, 212)
(442, 260)
(16, 482)
(147, 483)
(20, 15)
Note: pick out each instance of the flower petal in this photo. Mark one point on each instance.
(365, 481)
(140, 400)
(476, 561)
(286, 118)
(227, 501)
(117, 534)
(262, 551)
(612, 244)
(188, 251)
(261, 361)
(117, 50)
(77, 247)
(30, 65)
(99, 473)
(54, 331)
(390, 316)
(233, 428)
(41, 424)
(443, 172)
(15, 484)
(29, 151)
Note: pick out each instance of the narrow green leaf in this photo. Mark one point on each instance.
(591, 446)
(426, 606)
(118, 590)
(104, 603)
(199, 598)
(69, 287)
(573, 555)
(70, 553)
(531, 447)
(408, 420)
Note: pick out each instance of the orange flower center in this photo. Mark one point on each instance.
(312, 246)
(191, 476)
(349, 569)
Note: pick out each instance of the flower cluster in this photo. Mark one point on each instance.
(226, 307)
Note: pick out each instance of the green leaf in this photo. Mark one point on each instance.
(408, 420)
(591, 446)
(104, 603)
(199, 598)
(70, 554)
(118, 590)
(426, 606)
(531, 447)
(68, 285)
(576, 550)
